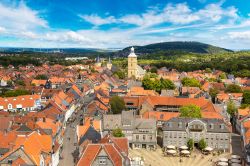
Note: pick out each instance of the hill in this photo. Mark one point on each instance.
(173, 48)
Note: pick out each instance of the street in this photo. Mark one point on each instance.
(69, 138)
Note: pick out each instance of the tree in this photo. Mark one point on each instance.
(246, 97)
(153, 70)
(20, 82)
(117, 133)
(223, 76)
(190, 144)
(14, 93)
(208, 70)
(190, 111)
(41, 77)
(167, 84)
(120, 74)
(213, 93)
(190, 82)
(156, 84)
(232, 88)
(202, 144)
(231, 109)
(117, 104)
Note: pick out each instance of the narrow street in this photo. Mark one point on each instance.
(69, 139)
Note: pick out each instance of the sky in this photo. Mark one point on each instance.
(122, 23)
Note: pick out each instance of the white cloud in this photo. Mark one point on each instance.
(2, 29)
(20, 17)
(178, 14)
(240, 35)
(97, 20)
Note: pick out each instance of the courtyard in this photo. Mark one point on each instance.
(156, 158)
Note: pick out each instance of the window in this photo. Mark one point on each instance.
(137, 137)
(10, 106)
(102, 161)
(144, 137)
(150, 137)
(180, 124)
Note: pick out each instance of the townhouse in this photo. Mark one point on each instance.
(21, 103)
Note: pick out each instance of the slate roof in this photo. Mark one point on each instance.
(173, 125)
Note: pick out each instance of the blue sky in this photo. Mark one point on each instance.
(121, 23)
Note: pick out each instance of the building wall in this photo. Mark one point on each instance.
(219, 141)
(132, 67)
(102, 156)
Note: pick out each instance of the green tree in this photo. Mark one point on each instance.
(246, 97)
(20, 82)
(231, 109)
(117, 133)
(202, 144)
(190, 82)
(167, 84)
(213, 92)
(14, 93)
(9, 83)
(223, 76)
(190, 144)
(156, 84)
(41, 77)
(117, 104)
(190, 111)
(232, 88)
(208, 70)
(120, 74)
(153, 70)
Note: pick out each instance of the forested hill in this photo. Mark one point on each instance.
(174, 48)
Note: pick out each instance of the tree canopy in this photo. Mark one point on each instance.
(41, 77)
(246, 97)
(14, 93)
(190, 144)
(117, 133)
(117, 104)
(190, 82)
(156, 84)
(120, 74)
(202, 144)
(190, 111)
(232, 88)
(213, 92)
(231, 108)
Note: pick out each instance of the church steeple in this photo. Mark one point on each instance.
(132, 52)
(109, 64)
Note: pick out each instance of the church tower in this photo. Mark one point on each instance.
(98, 62)
(109, 64)
(132, 64)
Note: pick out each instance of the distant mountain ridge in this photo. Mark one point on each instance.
(177, 46)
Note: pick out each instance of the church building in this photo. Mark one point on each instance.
(134, 70)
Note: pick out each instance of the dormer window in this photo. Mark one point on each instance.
(180, 124)
(169, 124)
(9, 106)
(102, 161)
(211, 126)
(222, 126)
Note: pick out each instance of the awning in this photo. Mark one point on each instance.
(208, 149)
(184, 147)
(171, 151)
(222, 164)
(185, 152)
(171, 147)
